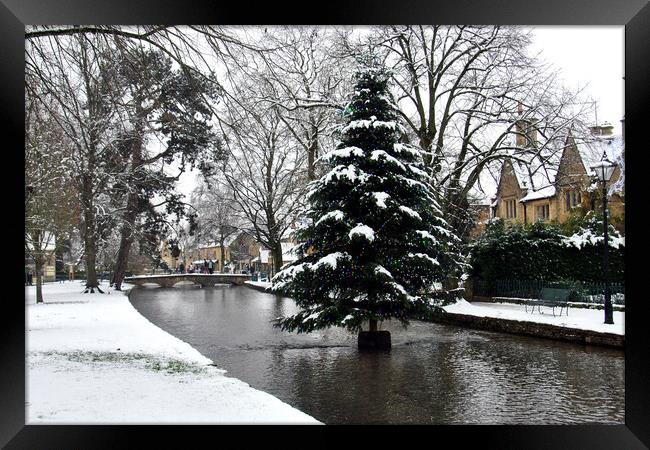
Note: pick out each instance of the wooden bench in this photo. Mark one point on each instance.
(551, 297)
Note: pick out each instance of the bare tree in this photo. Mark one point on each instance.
(265, 170)
(49, 197)
(218, 219)
(76, 87)
(303, 77)
(471, 96)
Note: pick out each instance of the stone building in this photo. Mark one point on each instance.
(243, 249)
(550, 186)
(210, 251)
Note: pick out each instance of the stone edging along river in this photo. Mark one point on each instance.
(523, 328)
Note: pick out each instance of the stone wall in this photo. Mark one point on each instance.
(541, 330)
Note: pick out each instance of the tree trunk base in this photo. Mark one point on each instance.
(91, 290)
(374, 340)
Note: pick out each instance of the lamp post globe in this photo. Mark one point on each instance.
(604, 169)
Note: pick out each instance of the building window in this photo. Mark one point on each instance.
(573, 198)
(567, 204)
(511, 209)
(542, 212)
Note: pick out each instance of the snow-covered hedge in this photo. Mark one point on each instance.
(544, 251)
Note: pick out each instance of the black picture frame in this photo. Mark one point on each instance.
(634, 14)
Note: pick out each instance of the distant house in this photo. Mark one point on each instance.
(243, 249)
(166, 255)
(48, 270)
(551, 186)
(263, 260)
(196, 255)
(211, 251)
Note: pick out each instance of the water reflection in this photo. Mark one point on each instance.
(434, 374)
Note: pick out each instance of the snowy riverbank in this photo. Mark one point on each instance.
(93, 359)
(578, 318)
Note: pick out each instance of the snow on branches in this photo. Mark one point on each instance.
(376, 246)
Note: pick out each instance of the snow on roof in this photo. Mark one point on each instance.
(230, 239)
(537, 173)
(591, 150)
(545, 192)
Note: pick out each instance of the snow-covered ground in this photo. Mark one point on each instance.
(580, 318)
(263, 284)
(92, 358)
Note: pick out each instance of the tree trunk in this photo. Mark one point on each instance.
(122, 255)
(311, 160)
(277, 258)
(126, 240)
(222, 257)
(131, 213)
(372, 325)
(38, 264)
(90, 245)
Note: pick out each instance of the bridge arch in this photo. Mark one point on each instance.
(203, 280)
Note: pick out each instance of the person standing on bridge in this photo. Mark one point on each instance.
(211, 266)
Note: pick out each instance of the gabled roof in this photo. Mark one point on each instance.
(592, 149)
(536, 170)
(536, 173)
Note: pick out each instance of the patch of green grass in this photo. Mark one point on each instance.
(151, 362)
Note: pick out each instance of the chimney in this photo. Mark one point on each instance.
(526, 131)
(606, 129)
(623, 128)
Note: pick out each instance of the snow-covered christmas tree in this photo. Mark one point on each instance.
(375, 247)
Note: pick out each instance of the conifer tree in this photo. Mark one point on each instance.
(375, 246)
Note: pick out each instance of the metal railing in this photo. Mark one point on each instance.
(580, 291)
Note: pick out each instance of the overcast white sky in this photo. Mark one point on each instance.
(591, 56)
(587, 56)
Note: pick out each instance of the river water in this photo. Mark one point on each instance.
(435, 374)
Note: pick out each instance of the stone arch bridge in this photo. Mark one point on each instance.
(201, 279)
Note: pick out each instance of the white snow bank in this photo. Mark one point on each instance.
(92, 358)
(264, 284)
(579, 318)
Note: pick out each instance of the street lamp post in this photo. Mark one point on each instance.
(604, 170)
